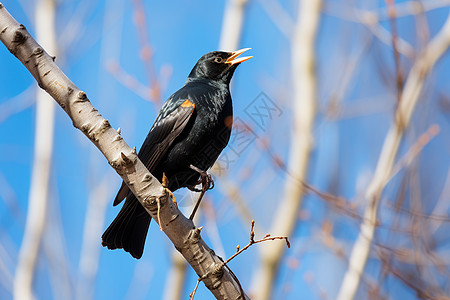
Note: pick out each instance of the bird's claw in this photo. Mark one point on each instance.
(206, 181)
(207, 184)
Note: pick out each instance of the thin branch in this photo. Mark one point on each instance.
(17, 104)
(398, 67)
(442, 204)
(413, 7)
(192, 294)
(180, 230)
(9, 196)
(6, 276)
(411, 92)
(252, 241)
(232, 192)
(279, 16)
(129, 81)
(415, 149)
(146, 52)
(371, 21)
(239, 250)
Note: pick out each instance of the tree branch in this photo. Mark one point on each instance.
(180, 230)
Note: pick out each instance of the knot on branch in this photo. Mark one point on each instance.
(18, 39)
(126, 160)
(104, 125)
(147, 178)
(123, 161)
(217, 270)
(81, 97)
(19, 36)
(194, 235)
(38, 52)
(94, 131)
(117, 138)
(151, 202)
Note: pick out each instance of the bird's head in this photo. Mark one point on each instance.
(218, 65)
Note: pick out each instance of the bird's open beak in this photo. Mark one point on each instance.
(233, 59)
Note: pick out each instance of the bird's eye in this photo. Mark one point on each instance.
(218, 59)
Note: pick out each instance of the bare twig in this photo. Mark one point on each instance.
(146, 54)
(371, 21)
(17, 104)
(412, 7)
(267, 237)
(239, 250)
(442, 204)
(415, 149)
(279, 16)
(192, 294)
(129, 81)
(6, 276)
(398, 68)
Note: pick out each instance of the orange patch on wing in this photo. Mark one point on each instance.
(229, 121)
(188, 103)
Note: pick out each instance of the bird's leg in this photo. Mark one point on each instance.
(206, 180)
(207, 184)
(165, 184)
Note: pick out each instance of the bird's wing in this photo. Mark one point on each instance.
(168, 125)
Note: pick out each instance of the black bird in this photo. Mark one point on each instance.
(189, 133)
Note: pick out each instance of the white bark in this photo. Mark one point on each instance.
(410, 95)
(305, 97)
(43, 146)
(180, 230)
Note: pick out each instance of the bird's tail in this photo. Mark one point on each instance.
(129, 229)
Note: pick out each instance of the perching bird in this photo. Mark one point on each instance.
(189, 133)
